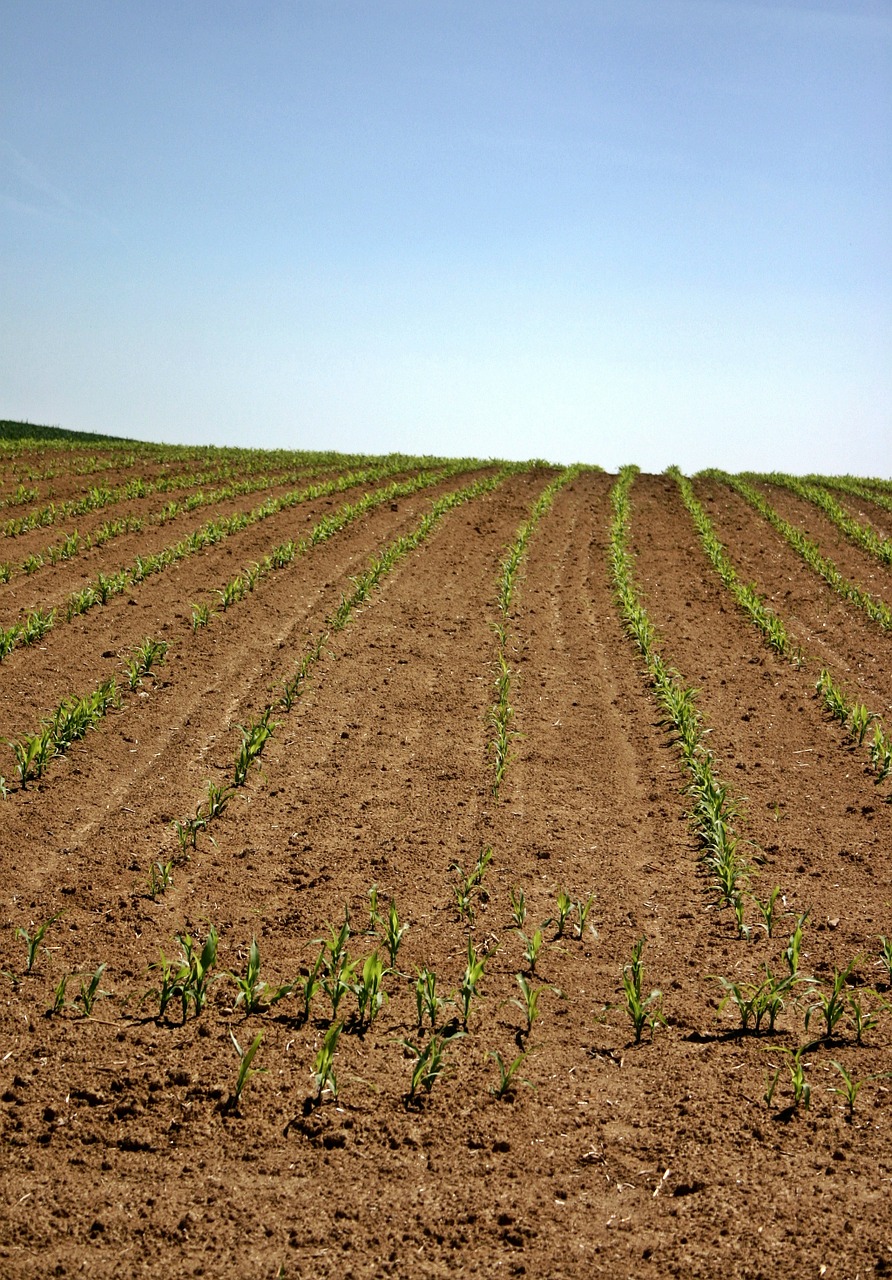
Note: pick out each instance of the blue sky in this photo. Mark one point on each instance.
(631, 230)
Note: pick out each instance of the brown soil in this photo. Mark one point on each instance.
(125, 1153)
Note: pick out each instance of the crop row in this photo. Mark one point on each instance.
(877, 610)
(75, 715)
(105, 586)
(74, 542)
(713, 809)
(258, 732)
(355, 988)
(860, 534)
(853, 716)
(502, 712)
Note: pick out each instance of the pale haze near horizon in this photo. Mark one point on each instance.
(650, 230)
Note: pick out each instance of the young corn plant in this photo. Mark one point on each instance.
(532, 948)
(201, 615)
(794, 946)
(253, 992)
(796, 1067)
(323, 1073)
(254, 738)
(470, 887)
(583, 910)
(643, 1011)
(218, 799)
(427, 1002)
(307, 984)
(430, 1062)
(861, 1018)
(831, 1005)
(509, 1074)
(881, 755)
(473, 973)
(852, 1087)
(190, 980)
(528, 1003)
(89, 992)
(146, 656)
(565, 906)
(392, 932)
(756, 1001)
(518, 907)
(767, 910)
(160, 878)
(34, 940)
(338, 970)
(369, 990)
(245, 1070)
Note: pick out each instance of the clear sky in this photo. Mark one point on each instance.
(600, 230)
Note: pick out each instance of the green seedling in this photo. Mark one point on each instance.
(430, 1062)
(470, 886)
(796, 1067)
(583, 909)
(190, 980)
(307, 985)
(323, 1074)
(376, 920)
(160, 878)
(32, 941)
(146, 655)
(58, 1005)
(643, 1012)
(89, 992)
(886, 957)
(392, 933)
(532, 949)
(509, 1075)
(860, 720)
(861, 1019)
(880, 754)
(757, 1001)
(218, 799)
(794, 946)
(254, 738)
(831, 1005)
(201, 615)
(427, 1002)
(245, 1070)
(852, 1087)
(369, 991)
(33, 754)
(187, 831)
(564, 907)
(743, 929)
(337, 980)
(473, 973)
(253, 992)
(767, 910)
(518, 907)
(528, 1003)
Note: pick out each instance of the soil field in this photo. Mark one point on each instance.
(418, 757)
